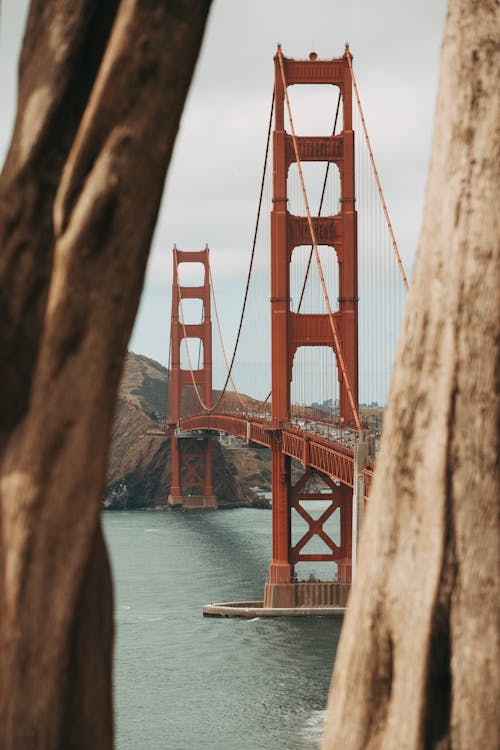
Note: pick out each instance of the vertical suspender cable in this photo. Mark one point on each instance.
(204, 406)
(320, 206)
(379, 186)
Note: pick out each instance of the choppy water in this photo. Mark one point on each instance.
(185, 682)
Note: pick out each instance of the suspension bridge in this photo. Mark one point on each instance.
(328, 289)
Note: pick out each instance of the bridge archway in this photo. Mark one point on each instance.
(304, 280)
(190, 273)
(192, 311)
(320, 192)
(191, 354)
(314, 109)
(315, 388)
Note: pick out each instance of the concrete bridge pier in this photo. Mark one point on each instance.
(192, 502)
(306, 594)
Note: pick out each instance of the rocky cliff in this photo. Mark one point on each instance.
(139, 466)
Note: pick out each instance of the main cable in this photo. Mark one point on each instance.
(254, 244)
(204, 406)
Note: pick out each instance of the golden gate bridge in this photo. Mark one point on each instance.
(337, 294)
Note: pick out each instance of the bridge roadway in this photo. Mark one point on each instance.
(313, 451)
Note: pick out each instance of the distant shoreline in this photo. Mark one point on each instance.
(257, 505)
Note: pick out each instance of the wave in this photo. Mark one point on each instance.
(314, 726)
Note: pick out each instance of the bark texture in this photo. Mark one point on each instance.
(419, 664)
(101, 90)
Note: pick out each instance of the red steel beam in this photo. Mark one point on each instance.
(330, 459)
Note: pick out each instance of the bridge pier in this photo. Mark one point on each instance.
(282, 590)
(280, 570)
(192, 474)
(192, 502)
(306, 594)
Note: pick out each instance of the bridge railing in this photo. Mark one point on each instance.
(312, 451)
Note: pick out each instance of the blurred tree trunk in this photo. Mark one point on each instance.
(101, 89)
(418, 664)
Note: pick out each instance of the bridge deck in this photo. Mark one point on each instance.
(313, 451)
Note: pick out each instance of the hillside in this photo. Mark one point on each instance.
(139, 466)
(144, 384)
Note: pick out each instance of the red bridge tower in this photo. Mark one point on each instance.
(192, 480)
(292, 330)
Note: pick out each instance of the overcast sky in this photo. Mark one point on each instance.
(212, 185)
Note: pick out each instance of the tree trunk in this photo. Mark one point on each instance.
(418, 664)
(101, 90)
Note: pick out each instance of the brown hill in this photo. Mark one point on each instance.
(139, 466)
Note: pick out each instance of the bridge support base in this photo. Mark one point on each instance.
(250, 610)
(192, 502)
(306, 594)
(279, 595)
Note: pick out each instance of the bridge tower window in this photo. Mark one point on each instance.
(305, 286)
(191, 274)
(191, 311)
(195, 348)
(313, 109)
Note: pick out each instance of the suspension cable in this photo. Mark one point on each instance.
(323, 191)
(316, 251)
(375, 172)
(254, 243)
(168, 399)
(203, 405)
(309, 260)
(229, 378)
(219, 331)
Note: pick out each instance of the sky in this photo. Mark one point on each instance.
(212, 184)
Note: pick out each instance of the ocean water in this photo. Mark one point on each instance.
(185, 682)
